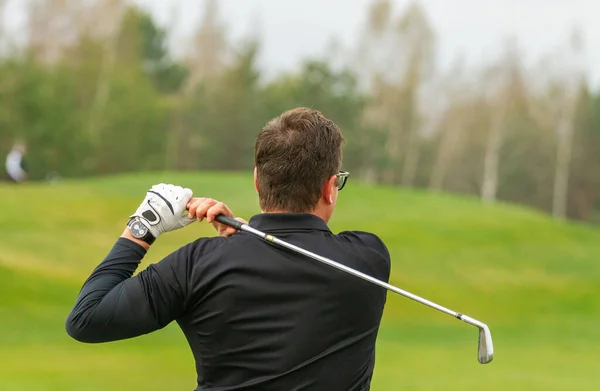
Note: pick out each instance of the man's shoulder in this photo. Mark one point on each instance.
(207, 244)
(199, 248)
(367, 239)
(215, 245)
(372, 251)
(362, 236)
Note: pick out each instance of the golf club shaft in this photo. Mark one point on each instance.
(269, 238)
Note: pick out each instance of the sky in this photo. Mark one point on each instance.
(292, 30)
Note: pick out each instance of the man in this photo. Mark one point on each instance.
(15, 163)
(256, 317)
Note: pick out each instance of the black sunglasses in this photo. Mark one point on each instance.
(341, 178)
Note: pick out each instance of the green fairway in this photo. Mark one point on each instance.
(534, 281)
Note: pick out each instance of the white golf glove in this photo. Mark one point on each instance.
(163, 209)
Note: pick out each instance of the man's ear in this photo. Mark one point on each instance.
(328, 189)
(255, 179)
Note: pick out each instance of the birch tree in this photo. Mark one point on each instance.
(395, 56)
(449, 118)
(372, 64)
(497, 92)
(205, 57)
(3, 43)
(114, 10)
(558, 86)
(417, 43)
(566, 128)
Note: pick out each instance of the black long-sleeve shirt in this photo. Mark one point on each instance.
(257, 317)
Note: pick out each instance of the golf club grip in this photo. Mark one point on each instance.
(229, 221)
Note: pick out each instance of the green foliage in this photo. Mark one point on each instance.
(123, 103)
(51, 107)
(167, 75)
(334, 93)
(534, 281)
(232, 114)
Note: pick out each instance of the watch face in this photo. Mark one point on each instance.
(138, 230)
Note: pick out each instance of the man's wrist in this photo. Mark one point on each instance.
(127, 235)
(140, 229)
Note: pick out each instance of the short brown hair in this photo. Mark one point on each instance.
(295, 154)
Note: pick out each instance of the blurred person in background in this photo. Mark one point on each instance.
(16, 167)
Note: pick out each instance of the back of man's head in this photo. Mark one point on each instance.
(295, 154)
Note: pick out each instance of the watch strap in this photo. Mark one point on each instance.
(148, 237)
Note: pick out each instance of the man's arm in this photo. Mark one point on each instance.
(113, 305)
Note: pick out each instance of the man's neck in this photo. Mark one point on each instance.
(315, 212)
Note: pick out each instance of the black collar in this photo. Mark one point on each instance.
(288, 221)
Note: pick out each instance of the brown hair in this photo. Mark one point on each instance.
(295, 154)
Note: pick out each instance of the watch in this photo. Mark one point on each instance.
(140, 231)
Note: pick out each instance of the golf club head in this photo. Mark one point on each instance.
(485, 351)
(485, 347)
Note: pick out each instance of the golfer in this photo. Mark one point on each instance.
(16, 166)
(257, 317)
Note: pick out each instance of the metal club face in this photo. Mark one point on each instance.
(485, 346)
(485, 352)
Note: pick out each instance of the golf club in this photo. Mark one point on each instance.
(485, 352)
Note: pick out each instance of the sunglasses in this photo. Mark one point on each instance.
(341, 178)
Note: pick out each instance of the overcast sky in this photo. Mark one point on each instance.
(296, 29)
(291, 30)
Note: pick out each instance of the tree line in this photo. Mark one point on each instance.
(95, 90)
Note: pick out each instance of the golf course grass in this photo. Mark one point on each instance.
(534, 281)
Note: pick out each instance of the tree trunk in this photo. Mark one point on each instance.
(563, 163)
(2, 15)
(436, 182)
(394, 151)
(489, 187)
(173, 134)
(102, 93)
(178, 112)
(409, 169)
